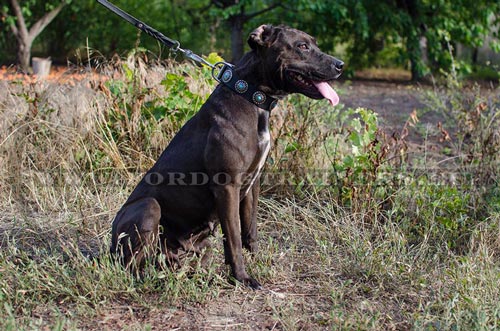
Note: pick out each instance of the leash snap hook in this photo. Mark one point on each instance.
(176, 47)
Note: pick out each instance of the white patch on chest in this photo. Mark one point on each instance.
(264, 147)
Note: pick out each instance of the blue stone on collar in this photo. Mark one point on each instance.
(226, 77)
(259, 98)
(241, 86)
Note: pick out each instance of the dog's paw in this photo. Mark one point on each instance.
(251, 247)
(252, 283)
(247, 281)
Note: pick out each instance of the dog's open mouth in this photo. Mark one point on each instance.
(313, 88)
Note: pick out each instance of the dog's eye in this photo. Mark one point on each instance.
(303, 46)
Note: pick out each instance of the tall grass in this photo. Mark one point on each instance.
(354, 234)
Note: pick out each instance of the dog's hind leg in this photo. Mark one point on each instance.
(135, 232)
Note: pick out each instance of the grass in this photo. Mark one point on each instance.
(375, 244)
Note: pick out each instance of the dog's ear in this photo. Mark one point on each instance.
(263, 36)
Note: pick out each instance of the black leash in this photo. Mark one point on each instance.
(222, 72)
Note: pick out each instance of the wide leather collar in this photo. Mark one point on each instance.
(227, 76)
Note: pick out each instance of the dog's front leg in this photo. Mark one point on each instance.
(227, 199)
(248, 215)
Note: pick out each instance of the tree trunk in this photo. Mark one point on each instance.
(413, 38)
(237, 23)
(475, 55)
(415, 55)
(24, 36)
(24, 53)
(237, 44)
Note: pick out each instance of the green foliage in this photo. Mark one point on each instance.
(362, 141)
(357, 173)
(138, 111)
(297, 142)
(368, 32)
(438, 213)
(371, 27)
(182, 103)
(487, 73)
(341, 151)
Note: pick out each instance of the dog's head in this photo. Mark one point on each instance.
(295, 62)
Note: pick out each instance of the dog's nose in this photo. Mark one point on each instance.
(339, 65)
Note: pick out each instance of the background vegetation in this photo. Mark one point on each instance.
(360, 227)
(415, 34)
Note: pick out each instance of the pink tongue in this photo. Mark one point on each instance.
(326, 90)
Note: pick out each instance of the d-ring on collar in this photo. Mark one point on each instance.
(227, 76)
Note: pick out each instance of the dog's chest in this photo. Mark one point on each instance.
(263, 150)
(263, 147)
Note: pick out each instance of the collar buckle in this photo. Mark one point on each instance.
(219, 69)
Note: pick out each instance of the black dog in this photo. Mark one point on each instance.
(210, 171)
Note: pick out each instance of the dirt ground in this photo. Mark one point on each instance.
(392, 101)
(395, 103)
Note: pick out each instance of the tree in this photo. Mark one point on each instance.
(26, 35)
(369, 27)
(368, 30)
(236, 16)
